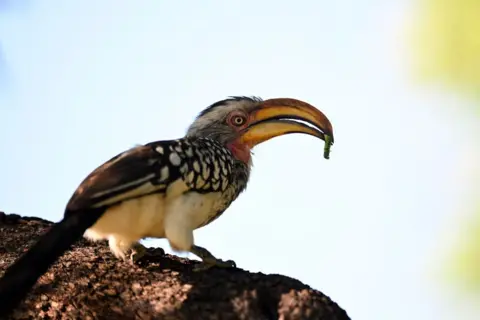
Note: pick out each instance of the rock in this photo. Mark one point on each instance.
(88, 282)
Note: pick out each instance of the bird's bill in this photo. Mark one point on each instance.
(276, 117)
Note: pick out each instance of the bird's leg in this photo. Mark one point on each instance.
(179, 230)
(138, 252)
(120, 248)
(208, 260)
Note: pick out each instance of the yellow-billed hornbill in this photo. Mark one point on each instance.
(167, 189)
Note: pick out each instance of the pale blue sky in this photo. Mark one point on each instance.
(87, 80)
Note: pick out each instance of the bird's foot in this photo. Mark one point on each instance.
(138, 252)
(208, 260)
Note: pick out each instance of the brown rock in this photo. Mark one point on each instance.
(89, 283)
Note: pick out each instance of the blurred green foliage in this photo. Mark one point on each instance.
(465, 269)
(446, 43)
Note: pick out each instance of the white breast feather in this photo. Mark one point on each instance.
(130, 221)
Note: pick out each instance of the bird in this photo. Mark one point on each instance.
(167, 188)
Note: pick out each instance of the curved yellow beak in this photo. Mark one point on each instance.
(276, 117)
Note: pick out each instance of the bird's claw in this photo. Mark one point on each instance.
(207, 264)
(138, 252)
(209, 261)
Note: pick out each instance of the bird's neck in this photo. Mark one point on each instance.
(240, 151)
(243, 155)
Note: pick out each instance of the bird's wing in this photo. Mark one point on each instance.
(202, 164)
(136, 172)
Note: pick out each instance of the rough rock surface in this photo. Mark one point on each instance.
(89, 283)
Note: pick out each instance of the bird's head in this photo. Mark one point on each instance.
(241, 123)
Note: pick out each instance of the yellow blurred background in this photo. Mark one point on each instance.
(445, 43)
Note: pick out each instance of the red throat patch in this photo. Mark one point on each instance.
(240, 151)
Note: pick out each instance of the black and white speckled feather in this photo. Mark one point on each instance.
(203, 164)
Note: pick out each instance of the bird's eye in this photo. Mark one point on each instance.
(238, 120)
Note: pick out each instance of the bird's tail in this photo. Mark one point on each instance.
(22, 275)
